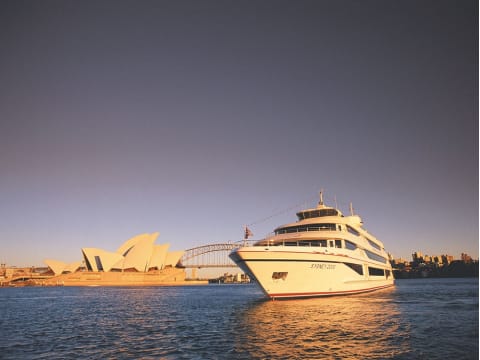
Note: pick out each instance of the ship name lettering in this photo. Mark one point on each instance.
(323, 266)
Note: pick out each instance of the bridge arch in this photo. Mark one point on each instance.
(211, 256)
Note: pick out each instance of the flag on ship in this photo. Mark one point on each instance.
(248, 232)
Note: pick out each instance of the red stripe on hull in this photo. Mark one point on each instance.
(315, 294)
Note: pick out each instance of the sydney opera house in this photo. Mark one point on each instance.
(138, 261)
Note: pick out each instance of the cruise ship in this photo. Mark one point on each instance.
(323, 253)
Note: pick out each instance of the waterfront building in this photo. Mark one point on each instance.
(138, 254)
(417, 256)
(138, 261)
(400, 261)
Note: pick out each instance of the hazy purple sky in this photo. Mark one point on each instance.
(193, 118)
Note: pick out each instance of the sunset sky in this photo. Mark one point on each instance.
(194, 118)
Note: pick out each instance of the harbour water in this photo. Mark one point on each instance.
(419, 318)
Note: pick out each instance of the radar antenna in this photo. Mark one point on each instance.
(321, 198)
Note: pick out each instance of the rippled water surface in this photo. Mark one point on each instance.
(427, 318)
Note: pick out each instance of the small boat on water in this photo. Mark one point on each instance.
(323, 253)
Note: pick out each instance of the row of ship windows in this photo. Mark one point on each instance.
(339, 244)
(309, 227)
(372, 271)
(316, 213)
(322, 227)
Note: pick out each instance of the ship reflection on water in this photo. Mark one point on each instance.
(362, 326)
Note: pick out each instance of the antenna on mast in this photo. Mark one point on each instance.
(351, 209)
(321, 197)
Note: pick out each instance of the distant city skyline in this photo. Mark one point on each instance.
(194, 119)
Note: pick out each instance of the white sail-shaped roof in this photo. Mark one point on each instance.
(173, 258)
(138, 257)
(56, 266)
(130, 243)
(100, 260)
(72, 267)
(159, 256)
(139, 253)
(59, 267)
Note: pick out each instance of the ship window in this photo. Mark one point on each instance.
(316, 213)
(375, 256)
(327, 227)
(328, 212)
(338, 244)
(356, 267)
(313, 243)
(352, 231)
(376, 271)
(317, 243)
(350, 245)
(373, 244)
(387, 273)
(303, 228)
(279, 275)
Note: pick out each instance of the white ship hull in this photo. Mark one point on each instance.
(290, 272)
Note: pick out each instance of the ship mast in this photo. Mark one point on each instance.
(321, 198)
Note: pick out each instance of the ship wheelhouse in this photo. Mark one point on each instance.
(315, 213)
(326, 227)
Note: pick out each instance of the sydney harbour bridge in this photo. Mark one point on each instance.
(209, 256)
